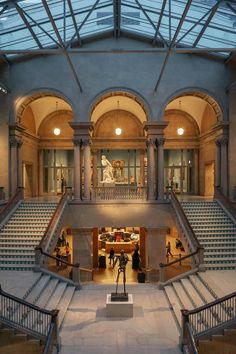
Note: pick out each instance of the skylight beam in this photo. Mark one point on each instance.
(173, 42)
(61, 43)
(150, 21)
(74, 21)
(212, 13)
(82, 23)
(21, 13)
(159, 22)
(117, 17)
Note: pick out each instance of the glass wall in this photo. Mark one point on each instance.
(58, 170)
(179, 170)
(125, 166)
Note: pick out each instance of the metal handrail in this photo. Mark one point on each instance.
(164, 265)
(230, 206)
(46, 237)
(29, 318)
(76, 265)
(178, 208)
(209, 318)
(11, 203)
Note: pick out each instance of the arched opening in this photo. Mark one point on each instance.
(119, 137)
(194, 123)
(47, 150)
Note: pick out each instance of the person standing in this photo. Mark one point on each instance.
(168, 250)
(112, 256)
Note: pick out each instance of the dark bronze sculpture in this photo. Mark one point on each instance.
(123, 259)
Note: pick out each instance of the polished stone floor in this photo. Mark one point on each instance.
(87, 330)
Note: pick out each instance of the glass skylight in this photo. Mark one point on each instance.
(25, 25)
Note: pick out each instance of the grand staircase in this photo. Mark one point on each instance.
(189, 293)
(215, 231)
(22, 233)
(47, 292)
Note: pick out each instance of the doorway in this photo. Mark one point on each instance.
(128, 239)
(28, 180)
(209, 180)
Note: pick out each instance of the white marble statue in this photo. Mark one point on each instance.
(107, 171)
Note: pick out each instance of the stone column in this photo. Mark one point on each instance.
(218, 163)
(77, 169)
(82, 247)
(155, 251)
(196, 173)
(87, 168)
(13, 164)
(40, 172)
(95, 172)
(142, 168)
(19, 164)
(224, 165)
(160, 168)
(150, 168)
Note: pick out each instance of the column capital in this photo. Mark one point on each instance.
(150, 142)
(224, 140)
(218, 142)
(86, 142)
(77, 142)
(160, 141)
(15, 142)
(154, 128)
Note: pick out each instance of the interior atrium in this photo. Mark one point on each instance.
(118, 144)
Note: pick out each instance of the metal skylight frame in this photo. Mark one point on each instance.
(61, 26)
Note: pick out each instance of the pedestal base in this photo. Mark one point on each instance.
(119, 297)
(119, 308)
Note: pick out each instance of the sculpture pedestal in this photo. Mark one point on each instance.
(119, 308)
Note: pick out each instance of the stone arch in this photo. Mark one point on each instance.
(23, 102)
(119, 91)
(204, 94)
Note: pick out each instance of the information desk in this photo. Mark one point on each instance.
(128, 247)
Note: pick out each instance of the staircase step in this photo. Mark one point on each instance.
(174, 303)
(64, 303)
(56, 297)
(195, 298)
(183, 296)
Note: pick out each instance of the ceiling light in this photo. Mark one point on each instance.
(118, 131)
(180, 131)
(57, 131)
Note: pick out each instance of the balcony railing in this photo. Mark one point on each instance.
(119, 193)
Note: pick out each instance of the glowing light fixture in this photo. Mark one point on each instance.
(180, 131)
(118, 131)
(57, 131)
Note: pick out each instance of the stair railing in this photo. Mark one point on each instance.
(164, 266)
(30, 319)
(51, 234)
(188, 233)
(229, 206)
(75, 267)
(208, 319)
(11, 203)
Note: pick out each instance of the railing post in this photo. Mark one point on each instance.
(38, 259)
(56, 332)
(180, 263)
(69, 192)
(185, 320)
(76, 275)
(161, 276)
(201, 266)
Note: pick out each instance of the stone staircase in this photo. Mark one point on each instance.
(215, 231)
(22, 233)
(46, 292)
(189, 293)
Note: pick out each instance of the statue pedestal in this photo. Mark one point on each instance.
(119, 308)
